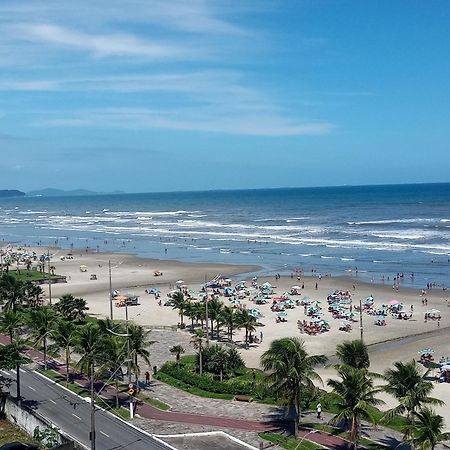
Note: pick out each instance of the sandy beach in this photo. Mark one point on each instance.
(132, 275)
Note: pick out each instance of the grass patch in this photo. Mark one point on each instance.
(153, 401)
(123, 413)
(10, 433)
(31, 275)
(289, 442)
(76, 388)
(191, 389)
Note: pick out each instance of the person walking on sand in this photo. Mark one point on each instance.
(319, 411)
(147, 377)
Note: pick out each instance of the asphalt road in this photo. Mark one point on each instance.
(73, 415)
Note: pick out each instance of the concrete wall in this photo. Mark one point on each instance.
(27, 419)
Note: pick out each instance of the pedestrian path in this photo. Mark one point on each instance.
(149, 412)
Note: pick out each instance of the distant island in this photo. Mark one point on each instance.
(11, 193)
(52, 192)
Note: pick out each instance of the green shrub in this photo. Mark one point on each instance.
(205, 382)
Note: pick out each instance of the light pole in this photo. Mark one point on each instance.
(110, 293)
(361, 330)
(92, 433)
(206, 311)
(128, 343)
(49, 280)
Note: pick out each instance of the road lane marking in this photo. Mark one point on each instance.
(32, 388)
(52, 401)
(79, 418)
(23, 371)
(104, 433)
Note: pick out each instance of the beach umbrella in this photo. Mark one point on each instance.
(235, 302)
(115, 293)
(394, 302)
(296, 287)
(282, 314)
(426, 351)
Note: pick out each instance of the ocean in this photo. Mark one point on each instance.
(372, 232)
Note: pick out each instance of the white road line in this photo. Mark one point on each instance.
(23, 371)
(104, 433)
(32, 388)
(52, 401)
(79, 418)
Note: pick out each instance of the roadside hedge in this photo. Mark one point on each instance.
(233, 387)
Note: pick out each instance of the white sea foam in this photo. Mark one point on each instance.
(392, 221)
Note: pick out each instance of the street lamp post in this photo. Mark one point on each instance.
(128, 343)
(110, 293)
(49, 280)
(361, 330)
(92, 433)
(206, 312)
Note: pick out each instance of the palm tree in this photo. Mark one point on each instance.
(215, 308)
(64, 334)
(190, 312)
(291, 372)
(114, 353)
(11, 358)
(354, 354)
(230, 319)
(138, 348)
(107, 325)
(407, 384)
(12, 292)
(217, 359)
(177, 350)
(179, 303)
(197, 341)
(355, 394)
(71, 308)
(33, 294)
(41, 322)
(11, 323)
(427, 430)
(89, 344)
(246, 321)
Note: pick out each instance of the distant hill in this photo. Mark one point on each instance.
(11, 193)
(51, 192)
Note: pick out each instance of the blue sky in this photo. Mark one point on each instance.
(157, 95)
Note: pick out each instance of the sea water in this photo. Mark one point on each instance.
(374, 232)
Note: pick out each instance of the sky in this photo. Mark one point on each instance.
(157, 95)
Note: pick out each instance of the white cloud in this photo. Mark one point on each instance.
(185, 119)
(101, 45)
